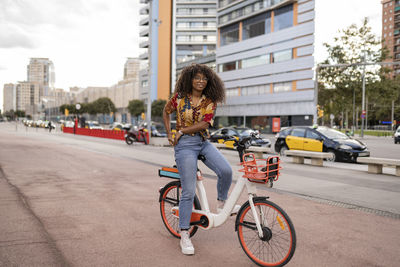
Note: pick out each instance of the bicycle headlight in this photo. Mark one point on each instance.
(346, 147)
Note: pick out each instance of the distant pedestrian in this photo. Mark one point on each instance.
(50, 126)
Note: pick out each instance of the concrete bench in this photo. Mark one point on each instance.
(317, 158)
(375, 164)
(257, 151)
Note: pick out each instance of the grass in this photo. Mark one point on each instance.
(374, 133)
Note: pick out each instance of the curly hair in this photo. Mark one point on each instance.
(215, 89)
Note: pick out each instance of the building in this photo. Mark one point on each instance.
(265, 58)
(27, 97)
(391, 31)
(173, 32)
(41, 71)
(9, 97)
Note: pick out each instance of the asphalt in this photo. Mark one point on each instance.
(64, 205)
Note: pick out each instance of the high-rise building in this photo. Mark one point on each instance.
(265, 58)
(391, 31)
(41, 71)
(131, 68)
(173, 32)
(27, 96)
(9, 97)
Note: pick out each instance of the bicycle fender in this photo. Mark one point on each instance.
(178, 183)
(244, 206)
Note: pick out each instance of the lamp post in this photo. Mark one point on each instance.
(363, 99)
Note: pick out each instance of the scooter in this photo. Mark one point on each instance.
(135, 134)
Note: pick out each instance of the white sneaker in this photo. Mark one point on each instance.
(221, 204)
(186, 244)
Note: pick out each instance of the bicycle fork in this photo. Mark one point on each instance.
(256, 217)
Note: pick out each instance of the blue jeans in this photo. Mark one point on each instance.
(186, 152)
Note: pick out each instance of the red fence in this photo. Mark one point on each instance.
(111, 134)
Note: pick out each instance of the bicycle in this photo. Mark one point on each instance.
(265, 231)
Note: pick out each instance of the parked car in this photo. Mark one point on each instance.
(397, 136)
(321, 139)
(117, 126)
(93, 125)
(222, 134)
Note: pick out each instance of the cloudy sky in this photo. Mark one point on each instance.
(89, 40)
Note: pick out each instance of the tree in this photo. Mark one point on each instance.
(104, 105)
(337, 86)
(20, 113)
(157, 108)
(136, 107)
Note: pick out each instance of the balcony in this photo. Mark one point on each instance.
(144, 56)
(144, 44)
(144, 22)
(144, 32)
(144, 10)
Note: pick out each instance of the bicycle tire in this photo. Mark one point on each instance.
(169, 198)
(278, 245)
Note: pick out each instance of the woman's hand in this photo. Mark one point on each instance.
(170, 139)
(178, 135)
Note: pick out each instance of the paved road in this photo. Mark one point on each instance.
(80, 201)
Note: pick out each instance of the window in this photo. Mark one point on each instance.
(312, 135)
(261, 89)
(283, 18)
(227, 66)
(232, 92)
(282, 55)
(229, 34)
(256, 26)
(299, 132)
(282, 87)
(255, 61)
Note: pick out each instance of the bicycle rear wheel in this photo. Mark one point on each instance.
(169, 198)
(278, 243)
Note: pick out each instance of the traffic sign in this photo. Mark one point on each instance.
(364, 112)
(78, 106)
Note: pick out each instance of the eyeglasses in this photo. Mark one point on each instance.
(198, 78)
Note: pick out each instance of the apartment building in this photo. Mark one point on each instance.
(265, 58)
(41, 71)
(173, 32)
(391, 31)
(27, 97)
(9, 97)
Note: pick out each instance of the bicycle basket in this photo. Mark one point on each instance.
(260, 170)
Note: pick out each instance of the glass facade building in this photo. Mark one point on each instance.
(265, 58)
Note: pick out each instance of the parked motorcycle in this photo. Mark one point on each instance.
(135, 134)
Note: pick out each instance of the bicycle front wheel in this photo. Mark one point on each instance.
(169, 198)
(278, 243)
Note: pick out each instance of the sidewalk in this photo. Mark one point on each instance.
(86, 208)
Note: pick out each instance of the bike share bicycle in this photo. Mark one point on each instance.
(265, 231)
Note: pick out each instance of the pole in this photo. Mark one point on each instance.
(354, 110)
(393, 115)
(363, 100)
(315, 117)
(366, 113)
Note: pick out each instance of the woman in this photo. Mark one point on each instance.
(197, 92)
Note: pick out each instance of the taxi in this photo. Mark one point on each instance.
(321, 139)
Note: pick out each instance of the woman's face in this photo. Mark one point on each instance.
(199, 82)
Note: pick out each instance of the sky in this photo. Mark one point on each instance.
(88, 41)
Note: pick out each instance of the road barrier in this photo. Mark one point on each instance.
(111, 134)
